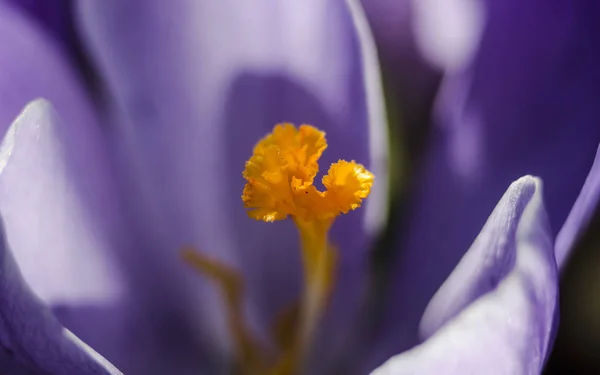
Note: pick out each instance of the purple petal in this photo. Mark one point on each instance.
(391, 23)
(56, 207)
(53, 16)
(31, 337)
(445, 34)
(63, 222)
(448, 33)
(497, 311)
(525, 105)
(42, 205)
(488, 261)
(581, 214)
(33, 66)
(32, 340)
(410, 81)
(195, 85)
(55, 191)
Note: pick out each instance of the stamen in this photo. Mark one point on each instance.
(281, 172)
(250, 353)
(319, 261)
(280, 175)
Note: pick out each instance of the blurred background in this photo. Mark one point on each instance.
(517, 78)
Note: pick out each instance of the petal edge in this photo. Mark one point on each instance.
(508, 330)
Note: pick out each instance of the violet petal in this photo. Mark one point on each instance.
(31, 192)
(195, 85)
(506, 286)
(525, 105)
(56, 205)
(32, 341)
(33, 66)
(56, 189)
(53, 17)
(581, 214)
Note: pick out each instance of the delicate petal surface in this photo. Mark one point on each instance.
(525, 105)
(55, 201)
(32, 66)
(410, 81)
(31, 339)
(55, 192)
(497, 312)
(195, 85)
(581, 214)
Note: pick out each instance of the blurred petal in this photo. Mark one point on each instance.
(32, 66)
(59, 216)
(407, 74)
(497, 311)
(195, 85)
(410, 82)
(525, 105)
(377, 208)
(31, 339)
(444, 33)
(38, 198)
(391, 23)
(448, 32)
(54, 17)
(55, 192)
(581, 214)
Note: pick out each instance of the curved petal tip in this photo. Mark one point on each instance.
(497, 311)
(487, 262)
(35, 110)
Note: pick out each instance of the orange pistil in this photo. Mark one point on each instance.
(280, 176)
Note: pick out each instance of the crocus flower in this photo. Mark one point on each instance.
(184, 107)
(514, 254)
(180, 128)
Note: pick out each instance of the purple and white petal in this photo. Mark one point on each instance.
(497, 312)
(525, 105)
(60, 217)
(47, 256)
(33, 65)
(32, 341)
(582, 212)
(195, 85)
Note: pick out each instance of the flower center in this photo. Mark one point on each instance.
(280, 175)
